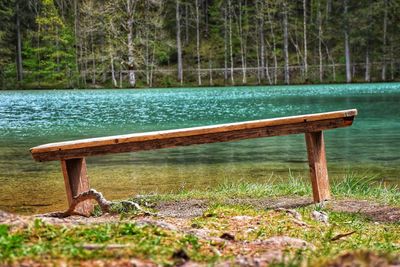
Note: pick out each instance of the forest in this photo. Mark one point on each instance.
(154, 43)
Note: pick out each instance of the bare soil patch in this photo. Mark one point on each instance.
(182, 209)
(272, 203)
(373, 211)
(194, 208)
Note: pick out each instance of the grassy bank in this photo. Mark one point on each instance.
(226, 232)
(353, 185)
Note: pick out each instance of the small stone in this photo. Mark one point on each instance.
(228, 236)
(320, 216)
(242, 218)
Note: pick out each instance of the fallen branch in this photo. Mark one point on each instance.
(105, 205)
(339, 236)
(92, 194)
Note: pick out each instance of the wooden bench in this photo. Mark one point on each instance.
(72, 153)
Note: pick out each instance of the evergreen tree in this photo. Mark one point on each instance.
(49, 51)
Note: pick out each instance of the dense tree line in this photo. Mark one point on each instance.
(119, 43)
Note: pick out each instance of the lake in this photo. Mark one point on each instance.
(29, 118)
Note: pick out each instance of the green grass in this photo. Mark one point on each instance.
(382, 239)
(43, 242)
(360, 186)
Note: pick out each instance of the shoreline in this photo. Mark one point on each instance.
(193, 86)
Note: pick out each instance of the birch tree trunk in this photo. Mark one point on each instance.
(76, 20)
(332, 62)
(131, 59)
(93, 59)
(178, 42)
(321, 68)
(147, 56)
(273, 47)
(258, 54)
(114, 80)
(367, 66)
(152, 62)
(230, 40)
(242, 44)
(346, 43)
(262, 40)
(19, 45)
(225, 45)
(305, 40)
(198, 43)
(286, 43)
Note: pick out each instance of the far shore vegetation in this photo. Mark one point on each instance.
(174, 43)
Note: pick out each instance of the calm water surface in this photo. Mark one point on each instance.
(30, 118)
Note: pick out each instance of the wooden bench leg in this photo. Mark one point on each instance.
(76, 182)
(318, 169)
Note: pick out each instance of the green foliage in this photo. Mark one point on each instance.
(10, 244)
(48, 54)
(68, 46)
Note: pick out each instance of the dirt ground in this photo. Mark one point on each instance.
(176, 216)
(373, 211)
(185, 209)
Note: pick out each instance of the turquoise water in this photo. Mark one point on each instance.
(30, 118)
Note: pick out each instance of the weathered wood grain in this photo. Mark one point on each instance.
(76, 182)
(196, 135)
(317, 163)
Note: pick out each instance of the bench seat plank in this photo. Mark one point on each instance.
(196, 135)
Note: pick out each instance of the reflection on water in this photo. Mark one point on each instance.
(29, 118)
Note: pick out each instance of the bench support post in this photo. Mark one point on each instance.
(76, 182)
(318, 169)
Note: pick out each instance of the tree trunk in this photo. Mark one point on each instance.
(321, 69)
(367, 67)
(242, 44)
(153, 55)
(262, 40)
(178, 42)
(198, 43)
(346, 43)
(206, 16)
(76, 20)
(274, 47)
(147, 56)
(286, 43)
(57, 49)
(385, 18)
(210, 69)
(258, 55)
(93, 59)
(225, 45)
(114, 80)
(131, 60)
(152, 62)
(305, 40)
(187, 24)
(332, 62)
(85, 55)
(19, 45)
(392, 70)
(230, 40)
